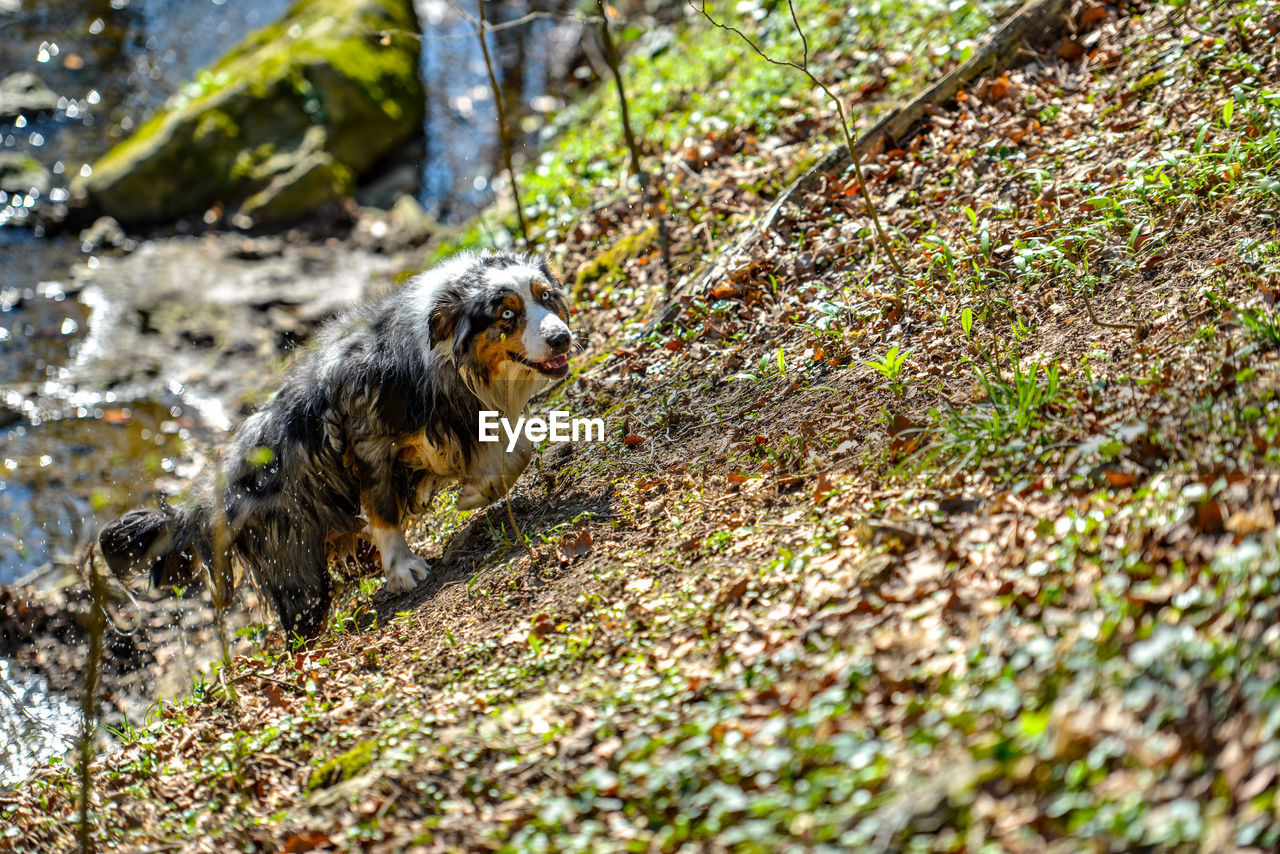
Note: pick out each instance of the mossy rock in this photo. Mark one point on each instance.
(343, 767)
(286, 121)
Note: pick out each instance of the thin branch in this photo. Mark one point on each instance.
(493, 28)
(88, 700)
(1106, 324)
(637, 167)
(221, 582)
(701, 8)
(511, 514)
(482, 30)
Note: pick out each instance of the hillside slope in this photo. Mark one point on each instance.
(983, 559)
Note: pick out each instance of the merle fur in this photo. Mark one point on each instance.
(331, 431)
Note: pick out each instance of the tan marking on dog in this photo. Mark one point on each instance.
(418, 453)
(376, 522)
(491, 351)
(558, 303)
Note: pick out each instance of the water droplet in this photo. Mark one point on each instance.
(69, 326)
(86, 170)
(93, 97)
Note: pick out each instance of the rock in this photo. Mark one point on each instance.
(9, 415)
(382, 192)
(406, 224)
(20, 173)
(410, 221)
(283, 123)
(105, 233)
(24, 94)
(299, 182)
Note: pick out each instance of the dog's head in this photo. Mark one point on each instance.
(504, 317)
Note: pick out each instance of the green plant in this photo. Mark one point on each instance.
(1263, 322)
(1013, 411)
(890, 367)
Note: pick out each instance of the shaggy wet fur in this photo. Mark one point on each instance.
(381, 414)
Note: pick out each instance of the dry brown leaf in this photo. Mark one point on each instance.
(575, 546)
(307, 840)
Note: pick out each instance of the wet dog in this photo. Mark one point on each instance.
(381, 414)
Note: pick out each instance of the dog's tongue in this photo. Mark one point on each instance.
(558, 362)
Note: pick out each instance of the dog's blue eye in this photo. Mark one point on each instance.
(508, 314)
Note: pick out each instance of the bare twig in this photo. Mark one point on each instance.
(221, 582)
(503, 138)
(1088, 304)
(88, 700)
(637, 168)
(563, 17)
(221, 590)
(515, 529)
(803, 68)
(251, 675)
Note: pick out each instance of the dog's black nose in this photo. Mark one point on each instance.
(559, 340)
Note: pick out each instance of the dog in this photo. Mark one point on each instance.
(380, 415)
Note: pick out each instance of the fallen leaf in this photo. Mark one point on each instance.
(725, 290)
(1089, 16)
(1253, 520)
(307, 840)
(733, 592)
(1069, 50)
(571, 547)
(822, 490)
(1119, 479)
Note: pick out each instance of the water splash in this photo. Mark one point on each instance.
(35, 723)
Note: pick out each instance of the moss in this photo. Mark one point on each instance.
(215, 122)
(1149, 82)
(250, 163)
(343, 767)
(248, 119)
(611, 259)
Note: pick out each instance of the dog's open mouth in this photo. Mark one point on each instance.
(556, 366)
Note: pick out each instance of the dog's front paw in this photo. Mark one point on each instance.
(404, 573)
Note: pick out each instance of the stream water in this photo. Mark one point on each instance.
(79, 443)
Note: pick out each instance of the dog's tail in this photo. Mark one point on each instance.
(166, 543)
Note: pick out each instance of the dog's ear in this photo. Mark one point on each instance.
(449, 320)
(444, 318)
(461, 329)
